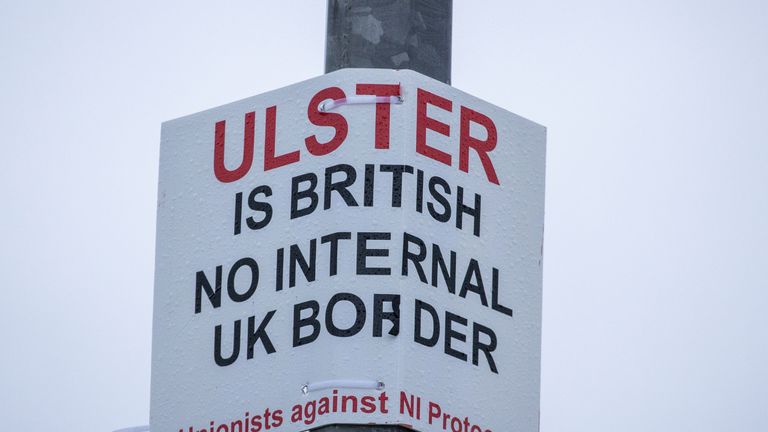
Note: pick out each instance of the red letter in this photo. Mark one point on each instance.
(335, 120)
(434, 411)
(270, 160)
(222, 173)
(481, 147)
(382, 109)
(423, 123)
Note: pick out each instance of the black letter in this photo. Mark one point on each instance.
(379, 315)
(495, 305)
(238, 211)
(235, 346)
(450, 333)
(233, 294)
(363, 253)
(397, 181)
(359, 315)
(297, 195)
(448, 276)
(340, 186)
(461, 208)
(368, 186)
(419, 191)
(261, 333)
(445, 216)
(202, 283)
(479, 289)
(259, 206)
(333, 239)
(279, 270)
(417, 337)
(311, 320)
(296, 257)
(478, 346)
(415, 258)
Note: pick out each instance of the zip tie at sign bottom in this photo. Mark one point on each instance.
(343, 383)
(134, 429)
(359, 100)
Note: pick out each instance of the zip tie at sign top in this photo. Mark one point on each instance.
(328, 105)
(343, 383)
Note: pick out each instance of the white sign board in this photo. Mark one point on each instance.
(363, 247)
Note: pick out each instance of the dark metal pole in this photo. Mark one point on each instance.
(390, 34)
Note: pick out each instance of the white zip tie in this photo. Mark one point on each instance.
(359, 100)
(342, 383)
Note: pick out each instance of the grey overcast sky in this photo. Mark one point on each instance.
(656, 264)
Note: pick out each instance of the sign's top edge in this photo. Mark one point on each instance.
(341, 72)
(464, 93)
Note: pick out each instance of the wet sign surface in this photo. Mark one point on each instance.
(363, 247)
